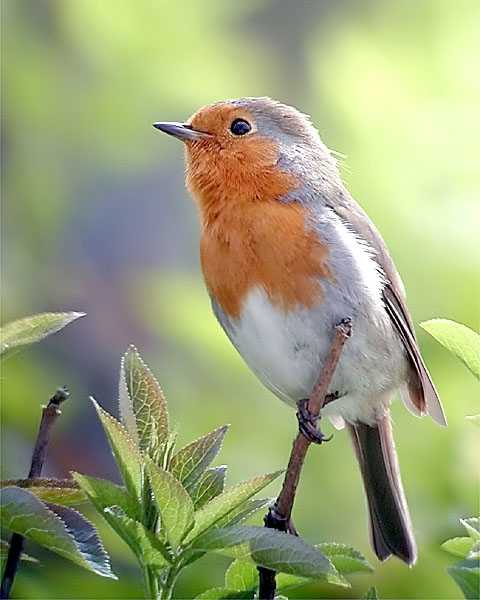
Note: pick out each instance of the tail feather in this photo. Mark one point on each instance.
(390, 526)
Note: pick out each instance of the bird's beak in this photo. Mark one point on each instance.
(182, 131)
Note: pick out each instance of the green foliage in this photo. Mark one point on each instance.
(29, 330)
(142, 405)
(189, 463)
(60, 529)
(241, 578)
(57, 491)
(125, 450)
(171, 511)
(459, 339)
(371, 594)
(466, 573)
(174, 505)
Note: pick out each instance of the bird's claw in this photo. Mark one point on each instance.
(274, 520)
(307, 424)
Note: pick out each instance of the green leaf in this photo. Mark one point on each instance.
(34, 328)
(58, 528)
(121, 512)
(245, 511)
(227, 502)
(103, 494)
(146, 546)
(126, 452)
(210, 484)
(467, 576)
(474, 419)
(4, 547)
(344, 558)
(189, 463)
(270, 549)
(143, 406)
(220, 593)
(241, 575)
(459, 546)
(371, 594)
(459, 339)
(475, 551)
(58, 491)
(472, 525)
(173, 502)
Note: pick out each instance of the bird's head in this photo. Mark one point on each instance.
(248, 150)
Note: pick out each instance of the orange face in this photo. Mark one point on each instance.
(228, 167)
(250, 238)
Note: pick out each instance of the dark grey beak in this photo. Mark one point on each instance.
(182, 131)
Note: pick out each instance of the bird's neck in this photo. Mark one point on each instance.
(266, 245)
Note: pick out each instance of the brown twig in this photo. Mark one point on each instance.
(50, 414)
(279, 517)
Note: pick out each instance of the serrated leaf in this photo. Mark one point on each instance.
(245, 511)
(271, 549)
(345, 558)
(143, 406)
(221, 593)
(146, 546)
(58, 528)
(210, 484)
(173, 502)
(459, 339)
(189, 463)
(472, 525)
(126, 452)
(103, 493)
(58, 491)
(230, 500)
(371, 594)
(120, 511)
(459, 546)
(34, 328)
(4, 548)
(467, 576)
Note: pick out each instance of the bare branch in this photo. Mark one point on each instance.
(50, 414)
(279, 516)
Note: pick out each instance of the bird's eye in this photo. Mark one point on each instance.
(240, 127)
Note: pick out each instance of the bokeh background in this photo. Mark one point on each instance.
(96, 218)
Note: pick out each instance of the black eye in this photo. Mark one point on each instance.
(240, 127)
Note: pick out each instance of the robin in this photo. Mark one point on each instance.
(287, 254)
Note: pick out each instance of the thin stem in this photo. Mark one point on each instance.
(166, 591)
(50, 414)
(280, 517)
(151, 583)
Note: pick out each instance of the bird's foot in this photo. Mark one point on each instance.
(307, 424)
(274, 520)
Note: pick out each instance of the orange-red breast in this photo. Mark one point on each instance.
(286, 254)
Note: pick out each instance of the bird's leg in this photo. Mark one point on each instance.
(307, 423)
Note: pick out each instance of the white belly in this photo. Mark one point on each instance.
(286, 350)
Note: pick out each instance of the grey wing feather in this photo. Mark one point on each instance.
(422, 392)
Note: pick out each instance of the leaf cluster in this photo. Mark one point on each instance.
(466, 573)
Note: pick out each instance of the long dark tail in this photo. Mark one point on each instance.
(390, 527)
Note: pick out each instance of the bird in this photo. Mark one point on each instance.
(287, 254)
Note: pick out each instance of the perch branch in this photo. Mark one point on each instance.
(50, 414)
(279, 516)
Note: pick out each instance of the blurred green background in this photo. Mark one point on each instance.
(96, 218)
